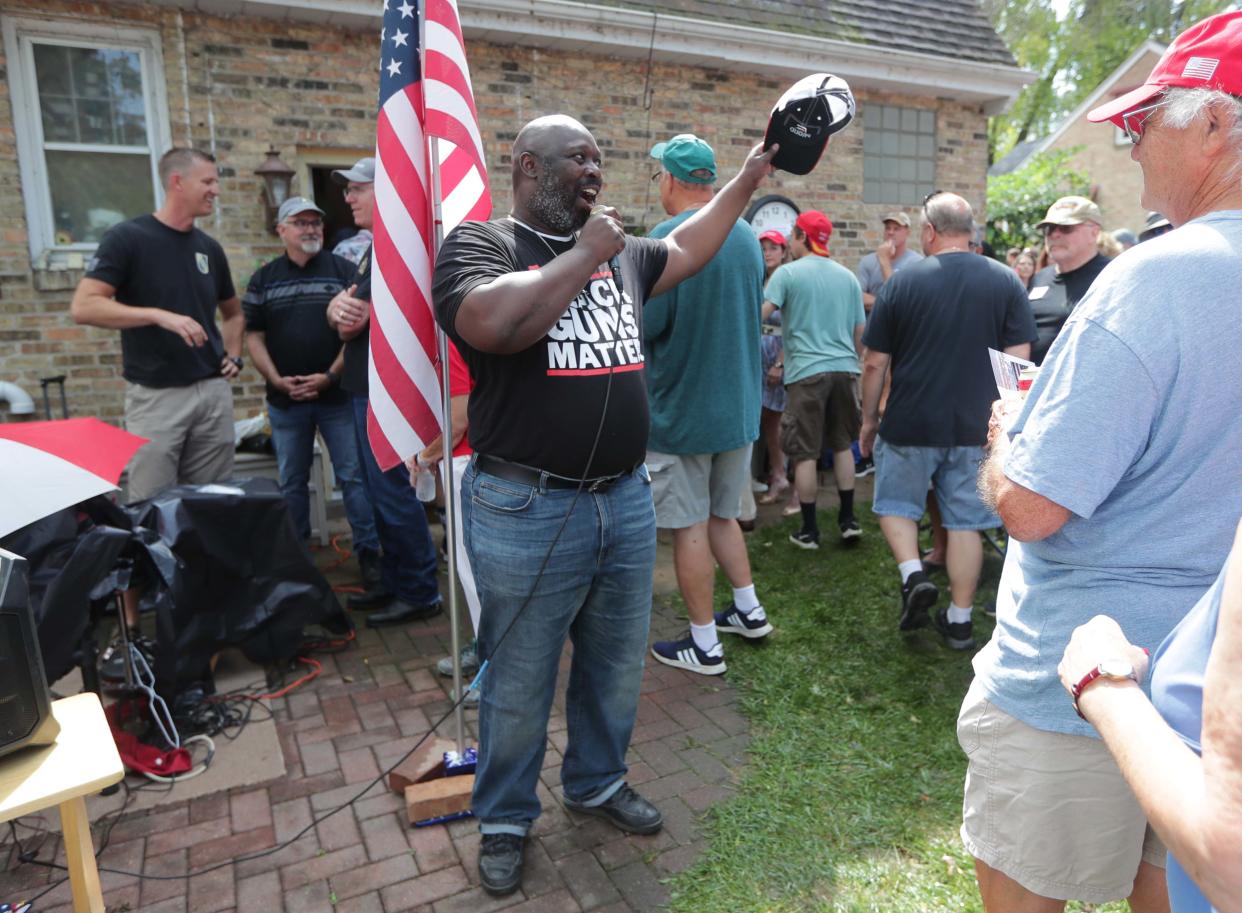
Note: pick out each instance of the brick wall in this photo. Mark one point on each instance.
(236, 85)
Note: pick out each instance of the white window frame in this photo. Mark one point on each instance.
(20, 36)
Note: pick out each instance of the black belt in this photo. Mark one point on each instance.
(529, 475)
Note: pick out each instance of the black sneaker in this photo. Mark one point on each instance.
(918, 594)
(685, 654)
(401, 612)
(805, 539)
(864, 467)
(500, 863)
(989, 609)
(959, 635)
(626, 809)
(850, 529)
(734, 621)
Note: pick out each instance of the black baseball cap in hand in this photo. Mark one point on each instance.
(814, 108)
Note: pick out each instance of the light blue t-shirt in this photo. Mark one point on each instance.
(704, 371)
(821, 305)
(1135, 426)
(1177, 673)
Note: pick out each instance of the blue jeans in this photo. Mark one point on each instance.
(293, 436)
(408, 564)
(596, 589)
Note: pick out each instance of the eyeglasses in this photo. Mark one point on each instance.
(926, 200)
(353, 191)
(655, 178)
(1050, 230)
(1135, 122)
(306, 224)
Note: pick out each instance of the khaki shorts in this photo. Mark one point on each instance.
(688, 487)
(820, 410)
(1049, 810)
(190, 430)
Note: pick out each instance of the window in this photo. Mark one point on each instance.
(899, 154)
(91, 127)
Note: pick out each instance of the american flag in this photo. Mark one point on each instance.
(419, 99)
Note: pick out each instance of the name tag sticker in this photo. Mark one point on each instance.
(1037, 293)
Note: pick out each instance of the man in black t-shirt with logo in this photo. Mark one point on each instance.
(301, 358)
(159, 280)
(1071, 230)
(546, 308)
(408, 567)
(933, 323)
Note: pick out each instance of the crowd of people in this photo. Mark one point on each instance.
(606, 385)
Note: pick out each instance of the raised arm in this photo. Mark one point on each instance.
(695, 241)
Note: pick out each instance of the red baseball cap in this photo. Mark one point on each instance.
(818, 229)
(1208, 55)
(774, 236)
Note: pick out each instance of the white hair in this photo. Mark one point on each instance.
(1183, 106)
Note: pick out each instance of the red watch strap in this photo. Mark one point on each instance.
(1091, 676)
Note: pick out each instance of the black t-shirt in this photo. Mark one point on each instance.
(288, 304)
(1054, 297)
(542, 406)
(937, 319)
(354, 378)
(186, 272)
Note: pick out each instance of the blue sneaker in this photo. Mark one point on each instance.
(734, 621)
(685, 654)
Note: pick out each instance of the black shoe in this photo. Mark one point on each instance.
(804, 538)
(918, 594)
(958, 635)
(989, 609)
(500, 863)
(626, 809)
(400, 612)
(864, 467)
(849, 529)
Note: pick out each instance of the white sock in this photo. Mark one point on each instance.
(957, 614)
(909, 567)
(705, 636)
(745, 599)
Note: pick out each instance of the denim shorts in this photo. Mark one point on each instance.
(902, 475)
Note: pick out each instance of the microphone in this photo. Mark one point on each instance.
(614, 262)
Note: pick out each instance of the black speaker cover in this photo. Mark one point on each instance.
(25, 705)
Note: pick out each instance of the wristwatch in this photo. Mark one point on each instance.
(1117, 669)
(237, 360)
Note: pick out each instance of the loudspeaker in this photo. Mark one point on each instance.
(25, 704)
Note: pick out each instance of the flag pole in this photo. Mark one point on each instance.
(451, 505)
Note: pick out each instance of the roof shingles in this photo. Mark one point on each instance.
(956, 29)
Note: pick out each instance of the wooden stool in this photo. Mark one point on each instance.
(82, 760)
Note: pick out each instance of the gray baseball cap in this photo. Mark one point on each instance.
(362, 172)
(294, 205)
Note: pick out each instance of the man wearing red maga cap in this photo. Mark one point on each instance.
(1120, 485)
(822, 319)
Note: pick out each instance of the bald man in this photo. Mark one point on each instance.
(546, 308)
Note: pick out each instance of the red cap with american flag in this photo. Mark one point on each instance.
(1208, 55)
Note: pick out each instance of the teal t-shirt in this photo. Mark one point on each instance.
(704, 377)
(821, 305)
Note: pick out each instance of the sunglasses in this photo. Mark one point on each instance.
(305, 224)
(1134, 122)
(1050, 230)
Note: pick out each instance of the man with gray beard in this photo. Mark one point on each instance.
(301, 357)
(545, 307)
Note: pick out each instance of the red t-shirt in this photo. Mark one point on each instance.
(460, 384)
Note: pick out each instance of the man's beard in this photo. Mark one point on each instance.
(555, 204)
(311, 247)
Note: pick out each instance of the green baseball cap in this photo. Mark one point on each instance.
(687, 158)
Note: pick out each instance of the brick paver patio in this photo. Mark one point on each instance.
(369, 707)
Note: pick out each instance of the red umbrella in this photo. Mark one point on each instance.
(47, 466)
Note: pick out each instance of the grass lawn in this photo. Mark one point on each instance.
(851, 800)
